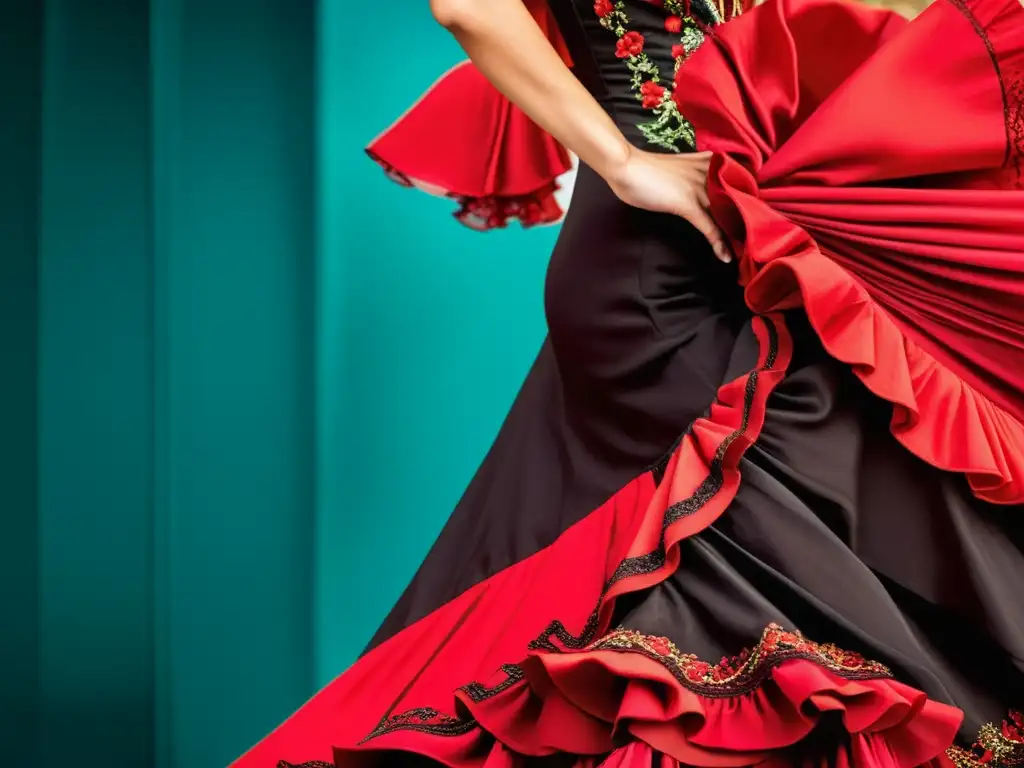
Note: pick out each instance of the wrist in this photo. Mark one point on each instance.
(615, 161)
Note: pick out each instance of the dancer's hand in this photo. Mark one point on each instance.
(675, 184)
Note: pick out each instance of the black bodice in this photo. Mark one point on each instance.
(609, 77)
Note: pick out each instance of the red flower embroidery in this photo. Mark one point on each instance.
(674, 25)
(1013, 729)
(603, 7)
(659, 645)
(697, 670)
(652, 94)
(630, 44)
(678, 52)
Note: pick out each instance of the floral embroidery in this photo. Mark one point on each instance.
(996, 747)
(651, 94)
(630, 45)
(669, 129)
(746, 671)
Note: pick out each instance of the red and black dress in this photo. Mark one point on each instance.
(768, 513)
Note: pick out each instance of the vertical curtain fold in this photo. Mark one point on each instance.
(157, 306)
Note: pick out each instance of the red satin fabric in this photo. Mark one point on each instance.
(464, 140)
(878, 184)
(465, 640)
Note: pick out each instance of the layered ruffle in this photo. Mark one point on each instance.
(466, 141)
(749, 710)
(904, 247)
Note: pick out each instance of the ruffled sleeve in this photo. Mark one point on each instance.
(464, 140)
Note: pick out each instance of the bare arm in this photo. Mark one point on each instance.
(507, 46)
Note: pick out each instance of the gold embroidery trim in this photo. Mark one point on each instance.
(997, 746)
(747, 670)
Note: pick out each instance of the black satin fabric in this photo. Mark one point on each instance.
(837, 530)
(643, 324)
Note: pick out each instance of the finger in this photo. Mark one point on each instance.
(702, 198)
(706, 226)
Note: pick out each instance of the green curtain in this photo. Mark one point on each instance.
(244, 377)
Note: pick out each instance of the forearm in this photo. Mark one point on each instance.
(507, 46)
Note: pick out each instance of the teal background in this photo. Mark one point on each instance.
(245, 378)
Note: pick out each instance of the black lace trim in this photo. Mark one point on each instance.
(424, 720)
(1013, 99)
(711, 485)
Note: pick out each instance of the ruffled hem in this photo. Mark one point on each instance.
(483, 213)
(786, 701)
(938, 416)
(882, 725)
(745, 711)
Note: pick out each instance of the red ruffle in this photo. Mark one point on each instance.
(630, 686)
(702, 475)
(483, 212)
(466, 141)
(410, 679)
(904, 247)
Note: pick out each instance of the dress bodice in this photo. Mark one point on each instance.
(626, 53)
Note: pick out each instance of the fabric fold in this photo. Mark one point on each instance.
(901, 246)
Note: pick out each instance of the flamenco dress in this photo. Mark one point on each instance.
(759, 514)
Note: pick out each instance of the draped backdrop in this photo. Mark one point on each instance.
(244, 378)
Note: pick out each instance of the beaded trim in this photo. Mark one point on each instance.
(997, 746)
(747, 670)
(669, 129)
(425, 720)
(712, 484)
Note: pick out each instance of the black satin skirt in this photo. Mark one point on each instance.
(837, 530)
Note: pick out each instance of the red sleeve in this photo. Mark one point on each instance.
(466, 141)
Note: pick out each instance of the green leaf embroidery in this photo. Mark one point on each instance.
(669, 129)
